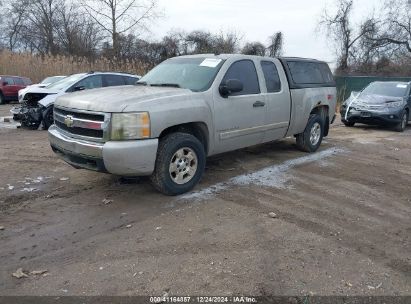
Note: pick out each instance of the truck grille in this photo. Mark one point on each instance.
(87, 124)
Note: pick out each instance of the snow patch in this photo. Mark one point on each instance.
(273, 176)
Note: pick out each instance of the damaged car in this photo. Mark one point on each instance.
(37, 105)
(44, 83)
(380, 103)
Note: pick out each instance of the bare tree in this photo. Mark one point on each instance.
(254, 48)
(395, 27)
(275, 47)
(76, 34)
(339, 29)
(119, 17)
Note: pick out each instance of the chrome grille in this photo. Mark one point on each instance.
(82, 124)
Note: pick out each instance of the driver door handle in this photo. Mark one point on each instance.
(258, 104)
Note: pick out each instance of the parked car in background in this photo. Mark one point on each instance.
(37, 104)
(44, 83)
(380, 103)
(10, 86)
(191, 107)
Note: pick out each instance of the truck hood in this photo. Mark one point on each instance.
(117, 99)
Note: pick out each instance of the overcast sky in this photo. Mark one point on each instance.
(258, 19)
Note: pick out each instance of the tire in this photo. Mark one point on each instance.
(400, 127)
(310, 140)
(48, 119)
(349, 124)
(174, 149)
(2, 99)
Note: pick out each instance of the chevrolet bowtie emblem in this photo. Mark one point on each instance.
(69, 121)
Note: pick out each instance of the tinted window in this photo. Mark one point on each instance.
(113, 80)
(305, 72)
(18, 81)
(326, 73)
(9, 80)
(244, 71)
(130, 80)
(272, 79)
(91, 82)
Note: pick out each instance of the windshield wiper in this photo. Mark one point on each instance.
(172, 85)
(141, 83)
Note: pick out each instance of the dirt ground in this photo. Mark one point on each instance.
(343, 223)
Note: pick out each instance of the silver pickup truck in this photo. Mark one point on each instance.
(191, 107)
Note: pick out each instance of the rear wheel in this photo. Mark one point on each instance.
(400, 127)
(179, 165)
(310, 140)
(2, 99)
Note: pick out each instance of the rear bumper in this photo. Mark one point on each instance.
(125, 158)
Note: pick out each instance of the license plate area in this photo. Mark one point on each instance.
(365, 114)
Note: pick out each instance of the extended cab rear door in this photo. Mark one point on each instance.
(276, 94)
(239, 118)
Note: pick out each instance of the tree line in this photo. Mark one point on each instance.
(379, 44)
(111, 29)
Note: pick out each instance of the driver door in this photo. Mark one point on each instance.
(239, 118)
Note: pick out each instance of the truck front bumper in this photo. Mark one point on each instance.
(124, 158)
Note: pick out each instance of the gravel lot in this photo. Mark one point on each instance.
(342, 224)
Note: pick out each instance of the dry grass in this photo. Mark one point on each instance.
(39, 67)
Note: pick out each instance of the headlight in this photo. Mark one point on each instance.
(126, 126)
(395, 104)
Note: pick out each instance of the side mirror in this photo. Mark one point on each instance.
(230, 86)
(80, 88)
(5, 83)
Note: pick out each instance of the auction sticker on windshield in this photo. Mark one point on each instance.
(402, 86)
(210, 62)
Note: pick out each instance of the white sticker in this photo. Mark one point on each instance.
(210, 62)
(402, 86)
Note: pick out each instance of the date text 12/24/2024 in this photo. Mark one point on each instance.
(202, 299)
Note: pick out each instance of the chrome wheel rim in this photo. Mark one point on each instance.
(315, 134)
(183, 166)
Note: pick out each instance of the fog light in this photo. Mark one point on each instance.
(391, 116)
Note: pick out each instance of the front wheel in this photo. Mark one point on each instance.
(179, 164)
(48, 119)
(348, 123)
(2, 99)
(310, 140)
(400, 127)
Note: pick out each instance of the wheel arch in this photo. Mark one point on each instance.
(197, 129)
(323, 111)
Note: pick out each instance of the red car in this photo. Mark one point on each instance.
(10, 86)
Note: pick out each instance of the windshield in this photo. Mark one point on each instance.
(52, 79)
(196, 74)
(65, 82)
(393, 89)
